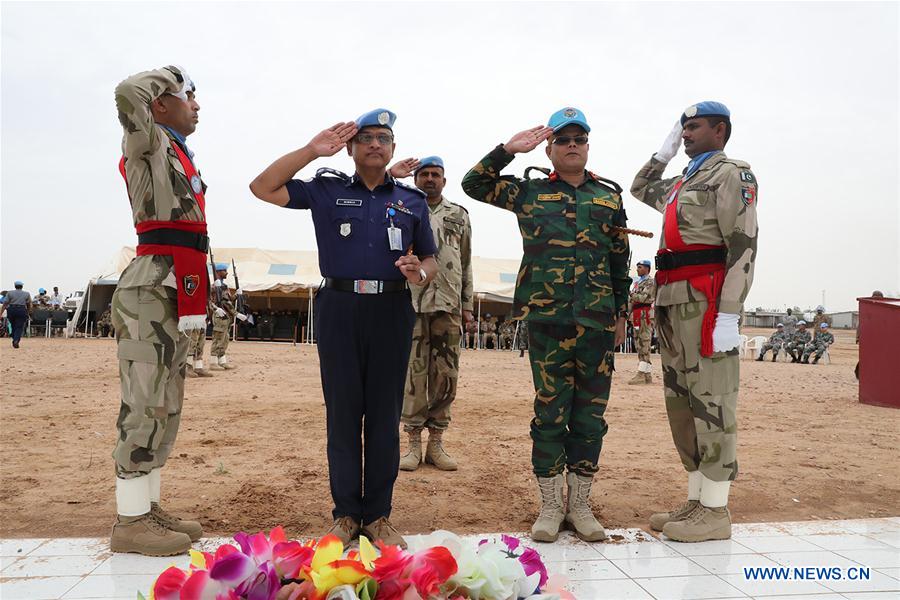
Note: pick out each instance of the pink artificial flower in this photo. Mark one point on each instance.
(290, 558)
(169, 583)
(511, 542)
(262, 585)
(431, 569)
(532, 563)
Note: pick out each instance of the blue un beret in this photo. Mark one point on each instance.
(707, 108)
(380, 117)
(17, 282)
(221, 266)
(568, 116)
(644, 263)
(430, 161)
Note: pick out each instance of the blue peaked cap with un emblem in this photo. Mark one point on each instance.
(380, 117)
(568, 116)
(707, 108)
(644, 263)
(430, 161)
(221, 266)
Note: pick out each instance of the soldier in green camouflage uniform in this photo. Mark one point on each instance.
(709, 249)
(441, 306)
(640, 307)
(775, 343)
(156, 109)
(223, 313)
(819, 345)
(798, 341)
(522, 338)
(572, 289)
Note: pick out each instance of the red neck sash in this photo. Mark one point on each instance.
(706, 278)
(191, 276)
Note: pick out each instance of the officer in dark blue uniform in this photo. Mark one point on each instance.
(374, 239)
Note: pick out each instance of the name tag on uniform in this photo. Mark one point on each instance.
(550, 197)
(607, 202)
(348, 202)
(395, 238)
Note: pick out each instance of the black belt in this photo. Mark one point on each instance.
(366, 286)
(673, 260)
(175, 237)
(639, 305)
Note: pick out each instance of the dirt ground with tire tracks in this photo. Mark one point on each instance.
(251, 451)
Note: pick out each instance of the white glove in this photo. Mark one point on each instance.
(186, 86)
(240, 292)
(670, 147)
(218, 283)
(240, 316)
(221, 313)
(725, 335)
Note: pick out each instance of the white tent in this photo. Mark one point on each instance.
(282, 275)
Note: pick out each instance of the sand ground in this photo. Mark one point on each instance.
(251, 451)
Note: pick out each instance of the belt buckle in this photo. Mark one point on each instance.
(366, 286)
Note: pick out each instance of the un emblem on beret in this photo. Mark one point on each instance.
(569, 113)
(196, 185)
(690, 111)
(383, 118)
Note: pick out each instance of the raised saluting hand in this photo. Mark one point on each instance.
(526, 141)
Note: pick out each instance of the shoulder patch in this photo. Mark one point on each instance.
(332, 172)
(748, 177)
(748, 195)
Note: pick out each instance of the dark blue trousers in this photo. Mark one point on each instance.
(363, 342)
(18, 317)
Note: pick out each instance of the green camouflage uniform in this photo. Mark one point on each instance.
(571, 285)
(775, 343)
(434, 357)
(643, 292)
(819, 345)
(790, 326)
(151, 350)
(222, 325)
(701, 393)
(798, 342)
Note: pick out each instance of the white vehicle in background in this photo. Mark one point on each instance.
(73, 301)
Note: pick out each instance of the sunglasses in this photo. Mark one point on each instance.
(565, 140)
(383, 138)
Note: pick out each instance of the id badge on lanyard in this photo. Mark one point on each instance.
(395, 236)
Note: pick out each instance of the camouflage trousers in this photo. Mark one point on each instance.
(432, 372)
(152, 355)
(642, 338)
(198, 340)
(776, 347)
(572, 367)
(795, 349)
(701, 393)
(813, 348)
(221, 329)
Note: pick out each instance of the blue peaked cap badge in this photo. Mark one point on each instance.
(568, 116)
(707, 108)
(380, 117)
(430, 161)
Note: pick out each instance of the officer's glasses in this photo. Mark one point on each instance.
(383, 138)
(565, 140)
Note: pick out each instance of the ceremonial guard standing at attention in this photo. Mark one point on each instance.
(704, 269)
(640, 303)
(374, 239)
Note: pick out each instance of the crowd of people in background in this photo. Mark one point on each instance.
(21, 314)
(797, 340)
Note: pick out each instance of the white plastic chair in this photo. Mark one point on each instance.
(826, 358)
(742, 345)
(753, 346)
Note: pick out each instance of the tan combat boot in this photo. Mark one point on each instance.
(648, 378)
(199, 371)
(637, 379)
(702, 524)
(345, 528)
(145, 535)
(546, 527)
(658, 520)
(413, 457)
(189, 368)
(578, 509)
(435, 453)
(381, 529)
(192, 529)
(223, 363)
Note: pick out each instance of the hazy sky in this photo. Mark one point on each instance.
(812, 87)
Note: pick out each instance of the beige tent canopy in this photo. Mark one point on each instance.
(277, 279)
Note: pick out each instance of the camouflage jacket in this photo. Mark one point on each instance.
(227, 301)
(823, 338)
(574, 265)
(716, 206)
(790, 325)
(643, 291)
(508, 328)
(778, 337)
(42, 300)
(818, 320)
(801, 337)
(451, 288)
(157, 185)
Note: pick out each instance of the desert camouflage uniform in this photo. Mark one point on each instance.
(198, 341)
(434, 357)
(572, 284)
(104, 324)
(701, 393)
(151, 350)
(797, 343)
(42, 301)
(790, 326)
(819, 345)
(818, 320)
(488, 333)
(775, 343)
(507, 331)
(222, 325)
(643, 292)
